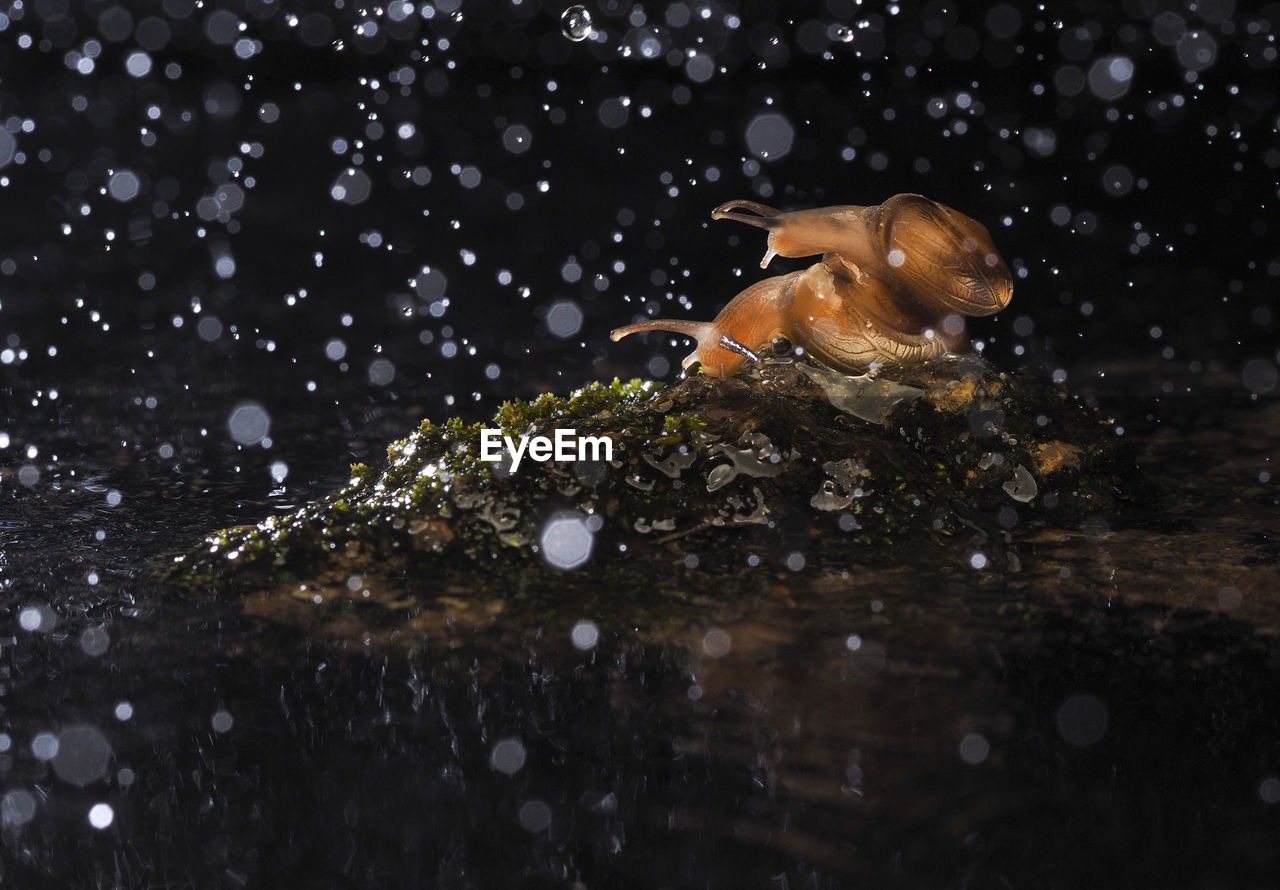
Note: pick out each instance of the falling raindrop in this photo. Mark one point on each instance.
(575, 23)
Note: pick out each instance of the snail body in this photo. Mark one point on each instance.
(892, 287)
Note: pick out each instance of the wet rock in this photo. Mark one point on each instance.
(785, 458)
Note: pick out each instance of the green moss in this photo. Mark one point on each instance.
(756, 449)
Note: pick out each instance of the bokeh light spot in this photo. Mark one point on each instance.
(769, 136)
(37, 618)
(94, 641)
(535, 816)
(249, 423)
(585, 634)
(566, 542)
(564, 318)
(1082, 720)
(507, 756)
(974, 748)
(101, 815)
(1259, 375)
(138, 64)
(124, 185)
(82, 756)
(353, 186)
(17, 808)
(517, 139)
(717, 642)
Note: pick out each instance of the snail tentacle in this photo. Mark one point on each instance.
(765, 217)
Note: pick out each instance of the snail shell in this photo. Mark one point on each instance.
(892, 287)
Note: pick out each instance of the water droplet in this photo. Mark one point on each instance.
(585, 634)
(249, 423)
(1197, 50)
(1022, 487)
(535, 816)
(564, 318)
(82, 755)
(1269, 790)
(124, 185)
(17, 808)
(566, 542)
(1110, 78)
(507, 756)
(381, 372)
(37, 618)
(138, 64)
(716, 643)
(44, 746)
(101, 815)
(575, 23)
(974, 748)
(351, 187)
(221, 721)
(94, 640)
(517, 139)
(769, 136)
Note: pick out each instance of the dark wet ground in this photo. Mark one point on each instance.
(1103, 716)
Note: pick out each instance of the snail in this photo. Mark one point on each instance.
(893, 285)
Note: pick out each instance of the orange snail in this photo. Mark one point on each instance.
(891, 288)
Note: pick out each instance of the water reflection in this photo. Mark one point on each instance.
(952, 735)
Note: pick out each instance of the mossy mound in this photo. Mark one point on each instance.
(787, 465)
